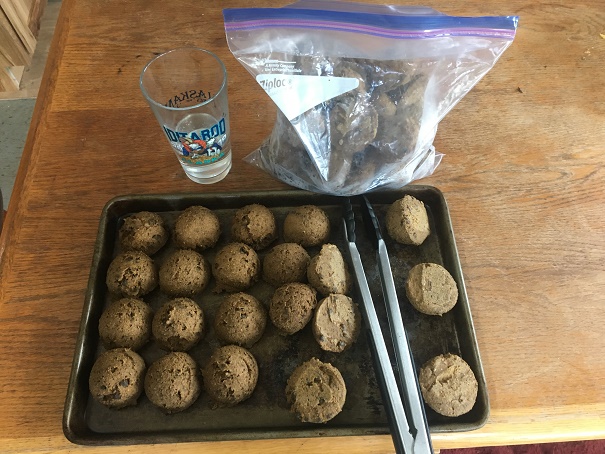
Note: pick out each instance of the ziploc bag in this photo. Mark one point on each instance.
(360, 88)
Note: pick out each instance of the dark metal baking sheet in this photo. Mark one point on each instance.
(266, 414)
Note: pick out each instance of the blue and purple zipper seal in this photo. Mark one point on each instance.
(386, 26)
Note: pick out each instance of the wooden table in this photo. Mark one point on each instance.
(523, 175)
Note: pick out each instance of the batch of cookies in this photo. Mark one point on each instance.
(447, 383)
(307, 290)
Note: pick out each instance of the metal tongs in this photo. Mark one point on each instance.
(405, 409)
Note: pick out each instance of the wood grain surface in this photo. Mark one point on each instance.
(523, 174)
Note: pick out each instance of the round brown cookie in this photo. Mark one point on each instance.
(307, 225)
(448, 385)
(132, 273)
(431, 289)
(236, 267)
(184, 273)
(316, 391)
(125, 323)
(197, 228)
(327, 271)
(240, 319)
(178, 325)
(172, 382)
(255, 226)
(408, 221)
(143, 232)
(336, 323)
(286, 262)
(291, 307)
(116, 378)
(230, 375)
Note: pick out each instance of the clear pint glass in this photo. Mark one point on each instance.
(186, 89)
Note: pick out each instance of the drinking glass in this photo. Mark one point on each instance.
(186, 89)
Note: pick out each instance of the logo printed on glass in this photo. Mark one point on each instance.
(189, 97)
(199, 137)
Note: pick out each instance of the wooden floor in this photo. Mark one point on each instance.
(30, 83)
(16, 107)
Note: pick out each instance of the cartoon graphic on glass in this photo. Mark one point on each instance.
(198, 151)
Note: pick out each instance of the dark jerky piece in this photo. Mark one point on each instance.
(355, 70)
(363, 166)
(353, 124)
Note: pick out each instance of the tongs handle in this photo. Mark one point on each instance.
(390, 393)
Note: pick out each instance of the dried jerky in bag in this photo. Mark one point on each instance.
(360, 88)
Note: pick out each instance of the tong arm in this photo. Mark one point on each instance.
(403, 355)
(400, 431)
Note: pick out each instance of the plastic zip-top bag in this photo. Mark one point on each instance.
(360, 88)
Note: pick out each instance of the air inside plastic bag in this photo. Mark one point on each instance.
(360, 88)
